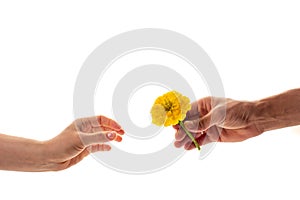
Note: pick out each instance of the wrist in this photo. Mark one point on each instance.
(46, 157)
(262, 116)
(42, 158)
(252, 114)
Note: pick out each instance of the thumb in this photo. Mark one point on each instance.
(199, 125)
(98, 137)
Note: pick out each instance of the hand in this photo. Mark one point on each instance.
(208, 123)
(79, 139)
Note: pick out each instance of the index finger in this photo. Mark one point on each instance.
(104, 123)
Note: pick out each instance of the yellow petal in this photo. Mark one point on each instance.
(158, 114)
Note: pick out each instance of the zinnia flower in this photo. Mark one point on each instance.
(170, 109)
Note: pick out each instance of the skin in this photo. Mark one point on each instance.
(243, 120)
(206, 121)
(78, 140)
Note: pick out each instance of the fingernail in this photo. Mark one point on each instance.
(118, 139)
(111, 135)
(122, 131)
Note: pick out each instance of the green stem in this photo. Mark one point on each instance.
(189, 134)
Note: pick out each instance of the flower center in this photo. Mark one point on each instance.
(168, 105)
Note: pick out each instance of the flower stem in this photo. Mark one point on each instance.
(190, 135)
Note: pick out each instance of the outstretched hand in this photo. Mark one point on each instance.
(214, 119)
(80, 138)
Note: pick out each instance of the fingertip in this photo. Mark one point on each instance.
(121, 132)
(177, 144)
(118, 138)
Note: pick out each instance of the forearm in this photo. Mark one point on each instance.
(20, 154)
(279, 111)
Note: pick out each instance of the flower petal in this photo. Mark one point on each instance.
(158, 114)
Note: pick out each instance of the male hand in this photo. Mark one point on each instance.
(214, 119)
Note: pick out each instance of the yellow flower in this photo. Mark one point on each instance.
(170, 108)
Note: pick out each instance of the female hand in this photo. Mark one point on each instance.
(79, 139)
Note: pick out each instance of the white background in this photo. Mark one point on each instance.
(255, 46)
